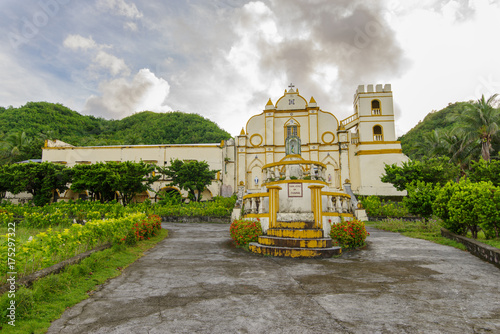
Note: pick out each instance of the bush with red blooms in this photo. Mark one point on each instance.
(245, 231)
(349, 234)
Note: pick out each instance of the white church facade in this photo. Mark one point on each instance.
(350, 151)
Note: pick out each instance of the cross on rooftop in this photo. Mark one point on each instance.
(291, 86)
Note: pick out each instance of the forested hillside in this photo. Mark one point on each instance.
(23, 130)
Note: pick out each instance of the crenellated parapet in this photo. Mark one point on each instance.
(379, 88)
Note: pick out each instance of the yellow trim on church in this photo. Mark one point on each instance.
(370, 152)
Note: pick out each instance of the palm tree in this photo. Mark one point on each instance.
(480, 122)
(448, 144)
(460, 150)
(14, 145)
(434, 144)
(3, 148)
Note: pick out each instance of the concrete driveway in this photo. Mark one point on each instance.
(196, 282)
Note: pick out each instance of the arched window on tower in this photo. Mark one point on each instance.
(376, 109)
(377, 133)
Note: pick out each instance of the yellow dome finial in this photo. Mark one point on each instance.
(312, 100)
(242, 133)
(269, 103)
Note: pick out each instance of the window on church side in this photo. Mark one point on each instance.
(376, 110)
(377, 133)
(291, 130)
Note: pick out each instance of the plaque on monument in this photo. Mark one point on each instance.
(295, 190)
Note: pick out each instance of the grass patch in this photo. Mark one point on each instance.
(430, 230)
(491, 242)
(482, 238)
(49, 297)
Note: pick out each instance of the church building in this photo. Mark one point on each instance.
(350, 151)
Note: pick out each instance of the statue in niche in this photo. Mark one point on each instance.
(292, 145)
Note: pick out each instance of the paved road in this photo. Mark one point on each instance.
(195, 282)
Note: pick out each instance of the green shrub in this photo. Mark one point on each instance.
(6, 218)
(245, 231)
(349, 234)
(468, 206)
(391, 209)
(472, 205)
(440, 208)
(421, 195)
(374, 207)
(218, 207)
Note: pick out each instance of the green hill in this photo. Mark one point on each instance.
(435, 120)
(413, 142)
(43, 120)
(43, 117)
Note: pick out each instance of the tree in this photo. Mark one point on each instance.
(5, 179)
(98, 179)
(16, 147)
(440, 208)
(42, 180)
(446, 143)
(104, 180)
(479, 123)
(460, 151)
(192, 176)
(133, 178)
(435, 170)
(433, 144)
(485, 171)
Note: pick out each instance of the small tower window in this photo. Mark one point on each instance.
(376, 110)
(377, 133)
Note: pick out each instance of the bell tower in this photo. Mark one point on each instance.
(374, 142)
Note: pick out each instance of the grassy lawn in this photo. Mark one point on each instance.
(421, 230)
(428, 231)
(49, 297)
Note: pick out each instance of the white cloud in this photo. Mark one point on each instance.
(24, 84)
(224, 58)
(120, 7)
(130, 26)
(114, 64)
(122, 97)
(100, 59)
(452, 58)
(77, 42)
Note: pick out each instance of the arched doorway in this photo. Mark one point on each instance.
(140, 198)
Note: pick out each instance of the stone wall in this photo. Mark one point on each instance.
(485, 252)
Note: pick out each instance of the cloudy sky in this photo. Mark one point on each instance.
(224, 59)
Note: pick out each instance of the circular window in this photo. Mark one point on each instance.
(256, 140)
(328, 137)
